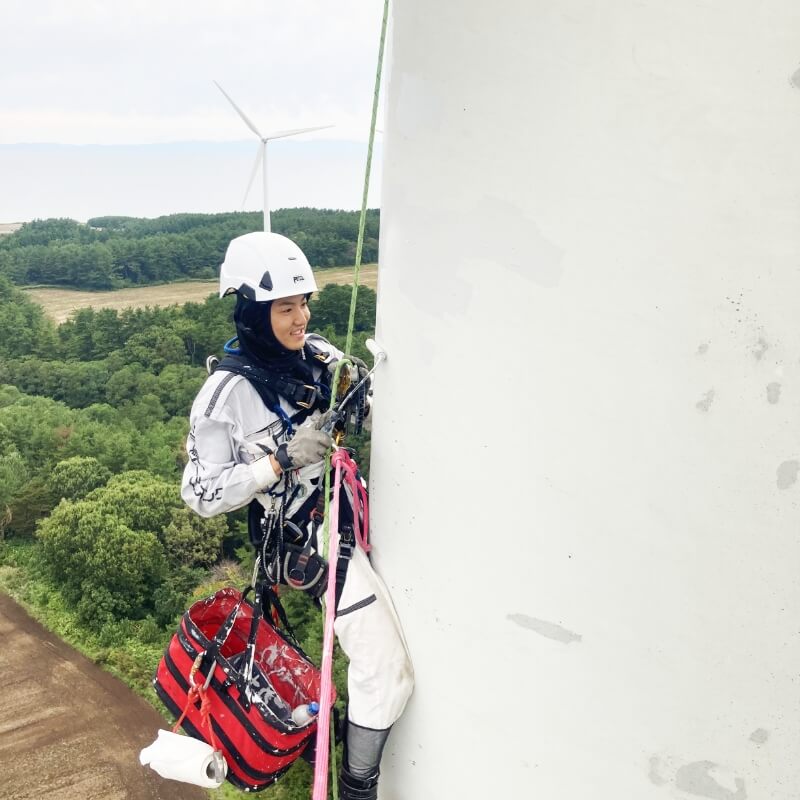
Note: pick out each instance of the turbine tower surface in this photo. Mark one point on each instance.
(586, 437)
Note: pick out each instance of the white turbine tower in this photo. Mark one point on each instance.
(261, 155)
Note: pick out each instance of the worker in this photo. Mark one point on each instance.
(256, 434)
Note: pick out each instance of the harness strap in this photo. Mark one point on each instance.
(346, 541)
(271, 385)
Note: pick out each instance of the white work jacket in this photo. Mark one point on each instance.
(227, 468)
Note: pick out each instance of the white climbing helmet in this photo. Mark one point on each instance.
(265, 266)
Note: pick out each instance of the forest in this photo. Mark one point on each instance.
(117, 252)
(94, 537)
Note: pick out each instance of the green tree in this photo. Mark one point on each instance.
(32, 502)
(76, 383)
(104, 551)
(191, 540)
(103, 567)
(24, 328)
(8, 396)
(13, 476)
(129, 384)
(112, 443)
(332, 307)
(90, 334)
(178, 385)
(113, 251)
(155, 348)
(74, 478)
(141, 500)
(39, 428)
(210, 326)
(145, 410)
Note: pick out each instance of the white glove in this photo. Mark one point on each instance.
(309, 445)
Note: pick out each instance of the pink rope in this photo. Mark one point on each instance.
(320, 791)
(360, 503)
(345, 469)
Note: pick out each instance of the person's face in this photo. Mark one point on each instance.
(289, 317)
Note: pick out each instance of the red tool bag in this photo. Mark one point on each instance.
(252, 677)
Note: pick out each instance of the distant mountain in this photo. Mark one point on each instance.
(83, 181)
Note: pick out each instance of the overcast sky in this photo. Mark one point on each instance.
(140, 73)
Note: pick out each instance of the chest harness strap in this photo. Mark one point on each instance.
(272, 385)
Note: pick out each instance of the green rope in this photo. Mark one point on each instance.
(362, 222)
(359, 247)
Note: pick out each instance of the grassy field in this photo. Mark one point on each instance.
(60, 303)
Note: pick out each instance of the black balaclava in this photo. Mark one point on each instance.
(258, 343)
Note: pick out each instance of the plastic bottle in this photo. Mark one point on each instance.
(304, 713)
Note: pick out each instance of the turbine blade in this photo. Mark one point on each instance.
(295, 131)
(240, 112)
(253, 172)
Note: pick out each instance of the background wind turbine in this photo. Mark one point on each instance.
(261, 155)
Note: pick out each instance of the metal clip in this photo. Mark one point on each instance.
(195, 667)
(217, 767)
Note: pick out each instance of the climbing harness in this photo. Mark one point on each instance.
(270, 385)
(287, 552)
(352, 397)
(288, 549)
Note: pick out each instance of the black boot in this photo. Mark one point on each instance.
(353, 788)
(361, 757)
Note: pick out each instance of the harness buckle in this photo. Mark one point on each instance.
(347, 543)
(296, 575)
(312, 396)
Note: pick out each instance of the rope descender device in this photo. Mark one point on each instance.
(337, 424)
